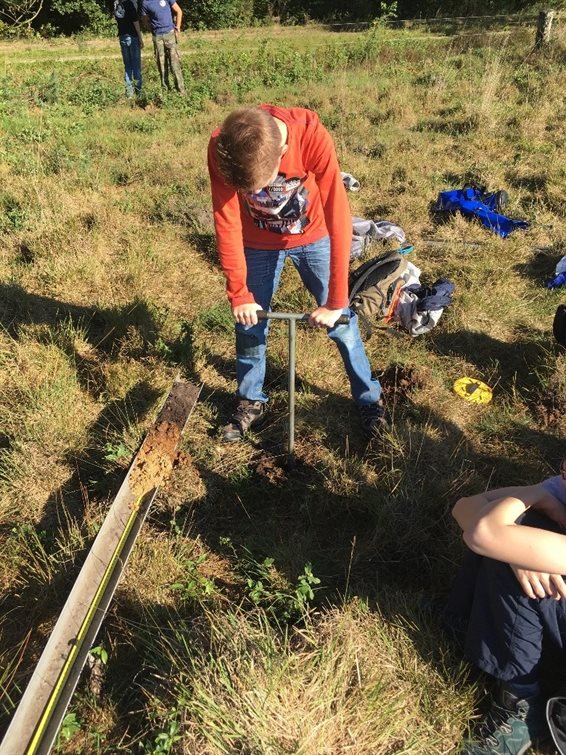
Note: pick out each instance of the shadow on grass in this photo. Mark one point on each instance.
(540, 268)
(104, 328)
(369, 538)
(205, 245)
(526, 358)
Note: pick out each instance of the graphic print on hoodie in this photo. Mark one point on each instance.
(280, 207)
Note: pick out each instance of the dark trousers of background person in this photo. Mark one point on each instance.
(505, 631)
(131, 55)
(168, 60)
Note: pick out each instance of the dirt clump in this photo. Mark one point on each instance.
(270, 469)
(551, 412)
(398, 382)
(155, 458)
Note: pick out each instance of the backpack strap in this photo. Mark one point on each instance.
(359, 276)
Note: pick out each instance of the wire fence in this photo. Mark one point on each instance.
(458, 21)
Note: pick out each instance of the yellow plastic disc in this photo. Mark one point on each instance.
(473, 390)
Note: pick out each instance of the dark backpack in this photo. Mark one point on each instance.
(373, 286)
(559, 325)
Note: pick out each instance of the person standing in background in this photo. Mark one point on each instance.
(165, 32)
(131, 42)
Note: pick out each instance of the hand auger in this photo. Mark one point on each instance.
(292, 320)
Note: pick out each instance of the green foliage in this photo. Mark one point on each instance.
(162, 743)
(82, 15)
(91, 16)
(388, 10)
(282, 602)
(195, 586)
(96, 91)
(217, 14)
(101, 653)
(70, 726)
(116, 452)
(13, 214)
(432, 8)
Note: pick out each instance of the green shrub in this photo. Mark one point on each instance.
(82, 15)
(218, 14)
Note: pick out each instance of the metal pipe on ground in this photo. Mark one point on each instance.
(38, 717)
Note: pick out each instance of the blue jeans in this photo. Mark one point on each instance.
(263, 275)
(131, 55)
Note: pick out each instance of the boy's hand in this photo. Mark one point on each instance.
(324, 318)
(539, 584)
(245, 314)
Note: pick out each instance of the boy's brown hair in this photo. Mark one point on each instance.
(248, 148)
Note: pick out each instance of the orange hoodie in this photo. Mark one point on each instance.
(306, 202)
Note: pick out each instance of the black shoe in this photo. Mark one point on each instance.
(373, 419)
(247, 413)
(509, 728)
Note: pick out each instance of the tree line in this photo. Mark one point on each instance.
(60, 17)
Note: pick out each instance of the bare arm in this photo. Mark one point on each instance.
(138, 32)
(488, 522)
(178, 15)
(468, 511)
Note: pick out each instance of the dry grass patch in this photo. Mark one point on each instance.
(333, 686)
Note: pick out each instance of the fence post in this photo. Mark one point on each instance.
(545, 19)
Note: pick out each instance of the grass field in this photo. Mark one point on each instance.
(266, 611)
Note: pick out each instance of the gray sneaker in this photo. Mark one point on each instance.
(509, 728)
(247, 413)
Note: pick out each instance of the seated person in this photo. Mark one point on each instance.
(510, 600)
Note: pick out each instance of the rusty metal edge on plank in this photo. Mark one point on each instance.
(37, 719)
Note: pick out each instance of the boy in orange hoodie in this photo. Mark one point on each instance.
(277, 192)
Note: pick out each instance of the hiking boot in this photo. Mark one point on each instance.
(509, 728)
(247, 413)
(373, 419)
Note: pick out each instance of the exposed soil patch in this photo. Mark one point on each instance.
(270, 468)
(551, 412)
(398, 382)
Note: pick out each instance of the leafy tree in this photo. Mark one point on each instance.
(71, 16)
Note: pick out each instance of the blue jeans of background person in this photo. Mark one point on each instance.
(131, 55)
(312, 262)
